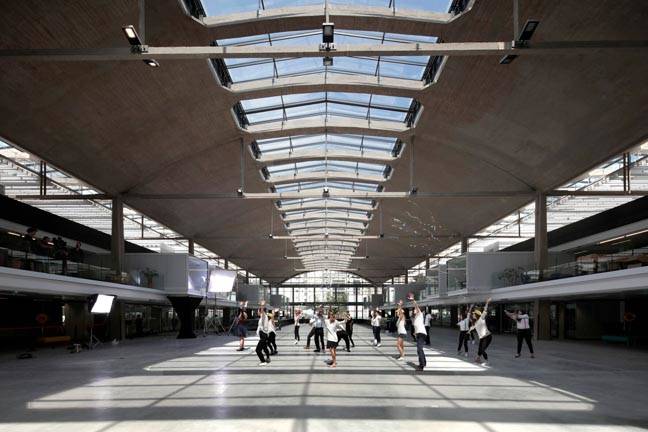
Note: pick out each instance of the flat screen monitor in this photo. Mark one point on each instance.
(103, 304)
(221, 280)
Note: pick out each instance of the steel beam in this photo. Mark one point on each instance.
(343, 50)
(62, 197)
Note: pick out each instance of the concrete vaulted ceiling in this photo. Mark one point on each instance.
(124, 127)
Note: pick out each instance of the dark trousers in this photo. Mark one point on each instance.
(319, 339)
(297, 333)
(463, 340)
(342, 335)
(420, 342)
(427, 335)
(311, 333)
(376, 332)
(350, 334)
(526, 336)
(262, 347)
(483, 346)
(272, 342)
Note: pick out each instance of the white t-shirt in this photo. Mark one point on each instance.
(297, 318)
(480, 325)
(375, 322)
(464, 324)
(401, 327)
(262, 326)
(522, 322)
(271, 326)
(419, 326)
(332, 329)
(428, 318)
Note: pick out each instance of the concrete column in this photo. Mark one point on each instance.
(540, 245)
(185, 307)
(117, 323)
(191, 247)
(464, 245)
(117, 235)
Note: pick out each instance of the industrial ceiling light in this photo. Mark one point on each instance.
(328, 61)
(325, 192)
(152, 62)
(328, 30)
(527, 31)
(131, 35)
(522, 41)
(239, 192)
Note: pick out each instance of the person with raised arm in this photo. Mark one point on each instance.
(401, 331)
(523, 329)
(332, 326)
(419, 332)
(485, 336)
(319, 330)
(262, 332)
(241, 324)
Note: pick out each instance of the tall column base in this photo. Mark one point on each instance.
(184, 307)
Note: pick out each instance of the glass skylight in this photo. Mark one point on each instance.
(305, 203)
(332, 185)
(229, 7)
(240, 70)
(327, 168)
(326, 105)
(325, 223)
(353, 145)
(328, 214)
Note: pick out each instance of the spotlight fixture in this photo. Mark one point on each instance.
(270, 236)
(527, 31)
(325, 192)
(522, 41)
(131, 35)
(328, 61)
(239, 192)
(328, 30)
(152, 62)
(414, 190)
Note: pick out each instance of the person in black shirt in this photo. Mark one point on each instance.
(348, 324)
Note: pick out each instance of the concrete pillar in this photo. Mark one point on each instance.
(191, 247)
(117, 323)
(77, 321)
(540, 241)
(185, 307)
(117, 235)
(464, 245)
(542, 323)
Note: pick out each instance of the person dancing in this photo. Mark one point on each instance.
(262, 332)
(319, 330)
(523, 328)
(421, 334)
(298, 315)
(401, 330)
(272, 335)
(485, 336)
(464, 325)
(332, 326)
(349, 328)
(375, 326)
(241, 325)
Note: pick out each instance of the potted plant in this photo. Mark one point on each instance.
(149, 274)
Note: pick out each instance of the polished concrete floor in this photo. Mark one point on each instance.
(162, 384)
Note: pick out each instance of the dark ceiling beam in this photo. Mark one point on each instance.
(343, 50)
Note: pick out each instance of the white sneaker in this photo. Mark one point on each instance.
(401, 358)
(378, 345)
(263, 364)
(375, 342)
(485, 364)
(296, 342)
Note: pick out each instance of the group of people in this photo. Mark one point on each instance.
(476, 320)
(327, 327)
(56, 248)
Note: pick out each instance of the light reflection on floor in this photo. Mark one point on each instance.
(219, 387)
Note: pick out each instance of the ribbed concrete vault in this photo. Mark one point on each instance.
(124, 127)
